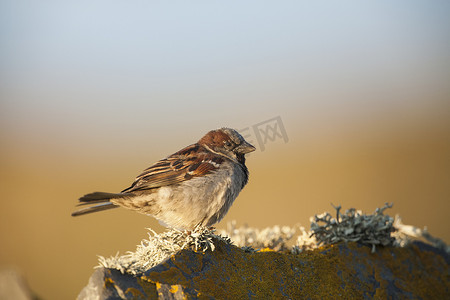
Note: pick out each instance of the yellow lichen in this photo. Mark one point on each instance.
(265, 250)
(173, 289)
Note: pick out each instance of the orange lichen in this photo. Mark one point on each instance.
(108, 282)
(135, 293)
(265, 250)
(173, 289)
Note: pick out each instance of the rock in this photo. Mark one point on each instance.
(346, 271)
(13, 285)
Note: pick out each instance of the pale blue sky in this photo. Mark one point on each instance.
(121, 67)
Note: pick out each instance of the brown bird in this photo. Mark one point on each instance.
(192, 187)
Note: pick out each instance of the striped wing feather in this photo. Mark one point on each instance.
(192, 161)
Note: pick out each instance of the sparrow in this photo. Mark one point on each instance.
(193, 187)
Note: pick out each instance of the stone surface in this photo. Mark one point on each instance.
(346, 271)
(13, 285)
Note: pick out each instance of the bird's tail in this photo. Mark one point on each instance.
(101, 199)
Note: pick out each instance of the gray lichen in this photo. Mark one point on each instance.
(305, 241)
(159, 247)
(405, 234)
(275, 237)
(354, 226)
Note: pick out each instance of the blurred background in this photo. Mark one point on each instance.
(93, 92)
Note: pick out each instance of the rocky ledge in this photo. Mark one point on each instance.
(345, 271)
(350, 256)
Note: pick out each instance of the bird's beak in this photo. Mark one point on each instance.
(245, 148)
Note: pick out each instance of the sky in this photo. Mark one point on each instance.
(93, 92)
(111, 64)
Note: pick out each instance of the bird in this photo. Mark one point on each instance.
(194, 187)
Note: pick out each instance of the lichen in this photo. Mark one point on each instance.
(275, 237)
(354, 226)
(405, 234)
(159, 247)
(374, 230)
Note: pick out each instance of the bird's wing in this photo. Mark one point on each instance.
(192, 161)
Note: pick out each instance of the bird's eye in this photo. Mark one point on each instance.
(227, 144)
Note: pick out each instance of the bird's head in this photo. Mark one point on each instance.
(228, 142)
